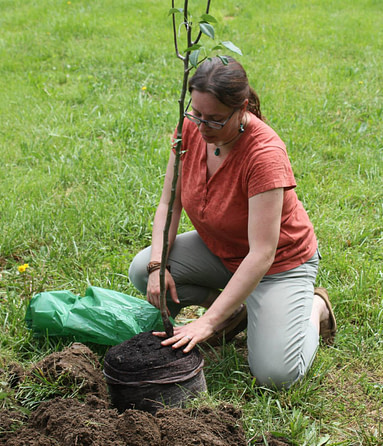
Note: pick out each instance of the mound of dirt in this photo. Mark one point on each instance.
(202, 426)
(64, 422)
(69, 422)
(75, 365)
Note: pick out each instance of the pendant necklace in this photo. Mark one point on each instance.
(217, 151)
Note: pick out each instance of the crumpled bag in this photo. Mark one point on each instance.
(102, 316)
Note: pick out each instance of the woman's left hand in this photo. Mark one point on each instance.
(188, 335)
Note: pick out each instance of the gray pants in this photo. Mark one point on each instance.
(281, 340)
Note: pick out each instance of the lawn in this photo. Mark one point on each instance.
(88, 104)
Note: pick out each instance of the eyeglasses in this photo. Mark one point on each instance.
(211, 124)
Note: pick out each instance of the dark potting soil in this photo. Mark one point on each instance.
(143, 351)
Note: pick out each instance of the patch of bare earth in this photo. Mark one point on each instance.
(62, 422)
(69, 422)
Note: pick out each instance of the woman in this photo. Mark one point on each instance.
(253, 241)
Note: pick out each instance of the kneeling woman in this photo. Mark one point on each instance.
(253, 256)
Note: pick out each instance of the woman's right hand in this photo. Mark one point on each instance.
(153, 288)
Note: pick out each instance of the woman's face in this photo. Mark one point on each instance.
(207, 107)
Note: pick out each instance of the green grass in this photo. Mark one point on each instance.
(83, 149)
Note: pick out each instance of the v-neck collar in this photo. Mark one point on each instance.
(233, 152)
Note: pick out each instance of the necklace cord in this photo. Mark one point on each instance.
(241, 129)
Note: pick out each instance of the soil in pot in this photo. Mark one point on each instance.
(143, 374)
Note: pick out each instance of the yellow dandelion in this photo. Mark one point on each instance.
(22, 268)
(143, 88)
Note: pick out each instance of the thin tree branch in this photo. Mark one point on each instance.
(177, 147)
(178, 54)
(200, 33)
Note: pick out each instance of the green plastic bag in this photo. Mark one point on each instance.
(102, 316)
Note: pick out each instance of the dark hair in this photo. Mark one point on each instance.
(227, 82)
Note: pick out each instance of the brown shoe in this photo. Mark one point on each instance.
(328, 327)
(225, 332)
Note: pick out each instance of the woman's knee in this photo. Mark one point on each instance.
(272, 371)
(137, 271)
(273, 378)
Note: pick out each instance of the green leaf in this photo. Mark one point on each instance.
(176, 11)
(224, 59)
(208, 18)
(194, 58)
(193, 48)
(207, 29)
(217, 47)
(230, 46)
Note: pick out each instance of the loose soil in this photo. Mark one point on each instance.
(144, 358)
(90, 420)
(142, 352)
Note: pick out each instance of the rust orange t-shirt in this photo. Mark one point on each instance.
(218, 206)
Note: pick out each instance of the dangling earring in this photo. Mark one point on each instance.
(241, 128)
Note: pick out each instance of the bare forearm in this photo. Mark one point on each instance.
(243, 282)
(263, 229)
(158, 230)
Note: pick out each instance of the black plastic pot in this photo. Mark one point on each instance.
(141, 374)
